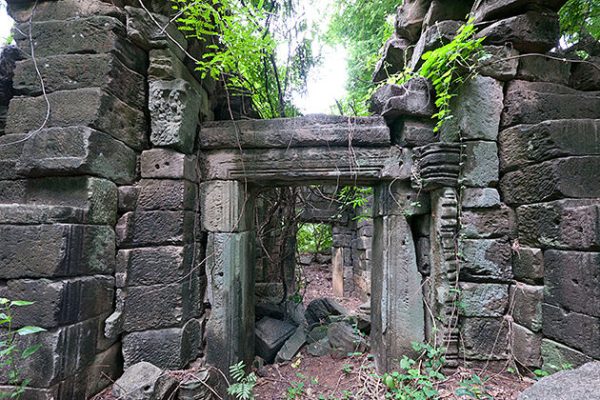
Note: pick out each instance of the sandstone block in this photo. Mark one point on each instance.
(528, 265)
(226, 206)
(55, 250)
(142, 228)
(432, 38)
(535, 102)
(154, 265)
(579, 331)
(480, 198)
(556, 356)
(153, 31)
(79, 71)
(532, 32)
(163, 194)
(481, 166)
(128, 197)
(486, 259)
(502, 64)
(585, 76)
(526, 346)
(580, 383)
(484, 224)
(21, 11)
(409, 18)
(443, 10)
(91, 35)
(562, 224)
(396, 53)
(399, 198)
(526, 144)
(174, 108)
(271, 335)
(544, 69)
(80, 200)
(90, 107)
(11, 147)
(484, 339)
(171, 348)
(169, 164)
(413, 133)
(415, 99)
(527, 305)
(572, 280)
(60, 302)
(77, 151)
(483, 299)
(487, 10)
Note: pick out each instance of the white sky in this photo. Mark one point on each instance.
(326, 82)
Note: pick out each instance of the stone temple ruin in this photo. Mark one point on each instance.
(127, 200)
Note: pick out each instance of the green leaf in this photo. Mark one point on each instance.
(28, 352)
(29, 330)
(21, 303)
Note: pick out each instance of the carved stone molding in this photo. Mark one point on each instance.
(437, 165)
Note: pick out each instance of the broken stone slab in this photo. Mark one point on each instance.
(320, 311)
(487, 10)
(436, 36)
(383, 94)
(21, 11)
(580, 331)
(585, 76)
(532, 32)
(77, 151)
(556, 356)
(81, 200)
(292, 346)
(396, 53)
(144, 228)
(535, 102)
(528, 265)
(316, 334)
(152, 31)
(572, 177)
(166, 194)
(486, 259)
(409, 18)
(502, 64)
(60, 302)
(168, 164)
(172, 348)
(296, 165)
(526, 346)
(483, 299)
(226, 206)
(271, 335)
(571, 280)
(414, 99)
(489, 224)
(409, 132)
(526, 144)
(561, 224)
(544, 69)
(88, 107)
(526, 305)
(583, 382)
(174, 108)
(319, 348)
(56, 250)
(345, 340)
(443, 10)
(481, 166)
(309, 131)
(91, 35)
(480, 198)
(153, 265)
(144, 381)
(484, 339)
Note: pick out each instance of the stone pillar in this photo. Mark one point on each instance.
(397, 309)
(227, 216)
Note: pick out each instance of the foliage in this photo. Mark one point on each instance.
(362, 26)
(473, 388)
(10, 351)
(243, 388)
(355, 198)
(551, 368)
(241, 42)
(579, 16)
(314, 238)
(295, 390)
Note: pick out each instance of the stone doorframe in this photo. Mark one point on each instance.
(321, 150)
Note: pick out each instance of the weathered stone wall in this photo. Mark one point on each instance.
(99, 191)
(517, 238)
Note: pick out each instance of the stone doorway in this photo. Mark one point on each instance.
(239, 158)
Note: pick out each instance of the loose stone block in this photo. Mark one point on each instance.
(77, 71)
(526, 144)
(151, 31)
(572, 281)
(143, 228)
(481, 165)
(535, 102)
(77, 151)
(480, 198)
(526, 346)
(484, 224)
(416, 99)
(60, 303)
(226, 206)
(65, 9)
(572, 177)
(409, 18)
(284, 133)
(271, 335)
(171, 348)
(396, 52)
(544, 69)
(585, 76)
(483, 299)
(527, 305)
(169, 164)
(489, 10)
(174, 108)
(532, 32)
(579, 331)
(166, 194)
(413, 133)
(81, 200)
(154, 265)
(442, 10)
(562, 224)
(486, 259)
(55, 251)
(92, 35)
(432, 38)
(502, 64)
(556, 356)
(528, 265)
(484, 339)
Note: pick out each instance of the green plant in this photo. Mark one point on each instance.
(474, 388)
(549, 369)
(10, 351)
(314, 238)
(355, 198)
(295, 390)
(243, 388)
(347, 368)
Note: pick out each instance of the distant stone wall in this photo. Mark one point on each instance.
(525, 213)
